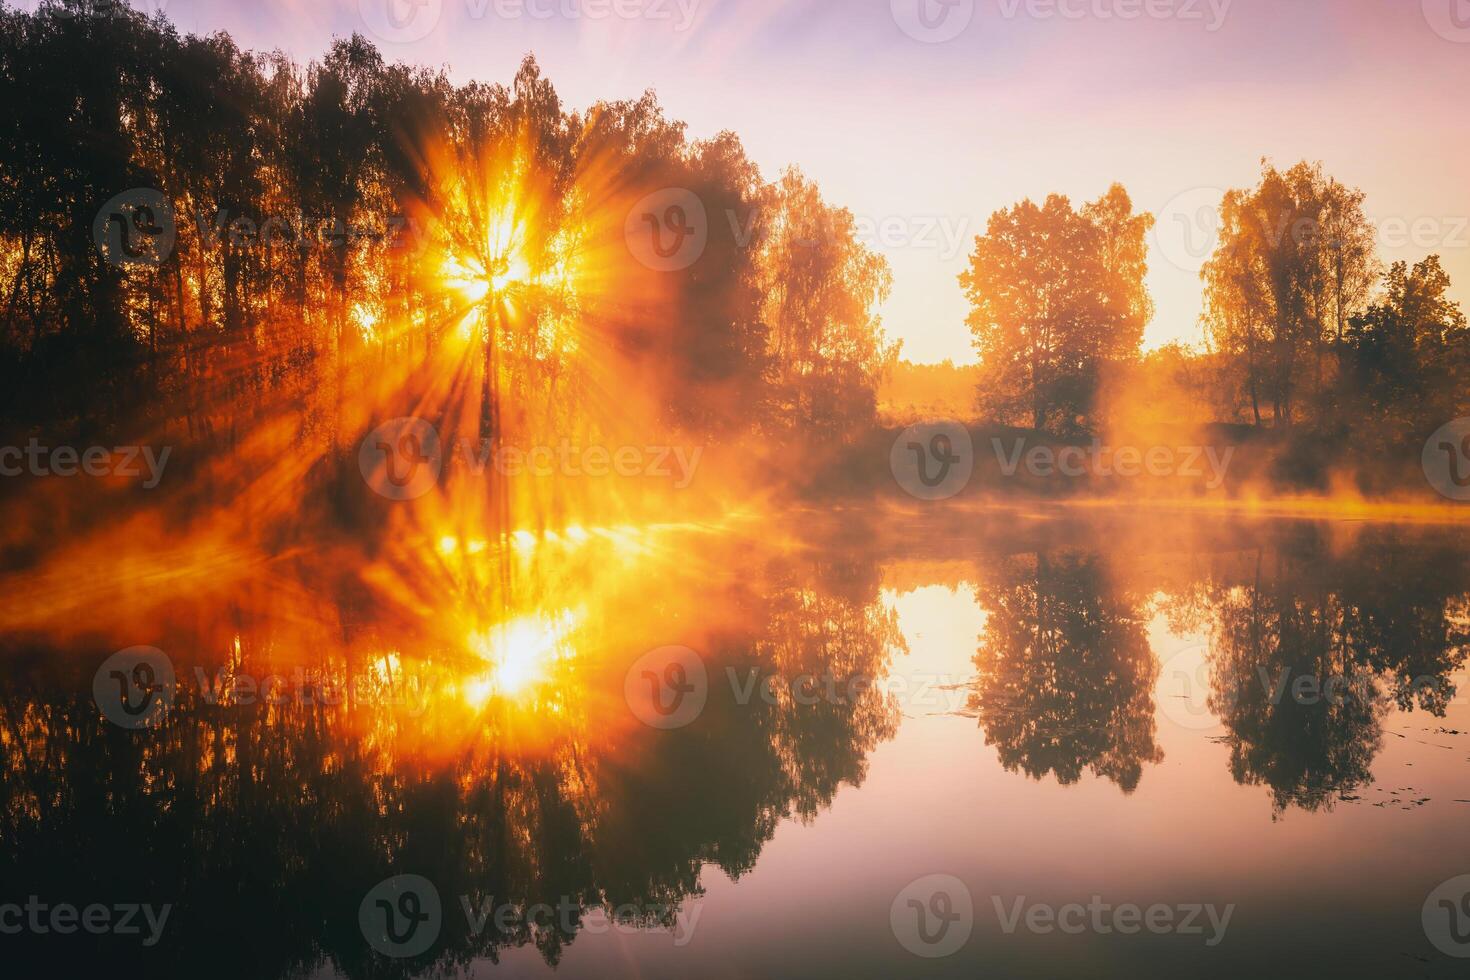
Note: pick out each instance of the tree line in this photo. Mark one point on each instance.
(336, 224)
(329, 222)
(1303, 326)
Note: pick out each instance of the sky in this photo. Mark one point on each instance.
(923, 117)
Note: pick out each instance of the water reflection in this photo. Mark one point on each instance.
(1066, 675)
(1310, 650)
(1312, 641)
(471, 728)
(287, 781)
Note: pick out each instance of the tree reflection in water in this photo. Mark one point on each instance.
(1386, 627)
(275, 819)
(1312, 642)
(1066, 676)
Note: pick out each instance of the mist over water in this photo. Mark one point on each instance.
(1009, 695)
(453, 529)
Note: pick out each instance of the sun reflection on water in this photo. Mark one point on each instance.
(522, 654)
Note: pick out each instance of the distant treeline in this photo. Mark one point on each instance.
(913, 392)
(196, 237)
(1303, 325)
(1305, 332)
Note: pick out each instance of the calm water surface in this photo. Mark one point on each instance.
(896, 737)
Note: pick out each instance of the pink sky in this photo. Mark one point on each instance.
(924, 140)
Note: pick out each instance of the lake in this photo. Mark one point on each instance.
(1020, 742)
